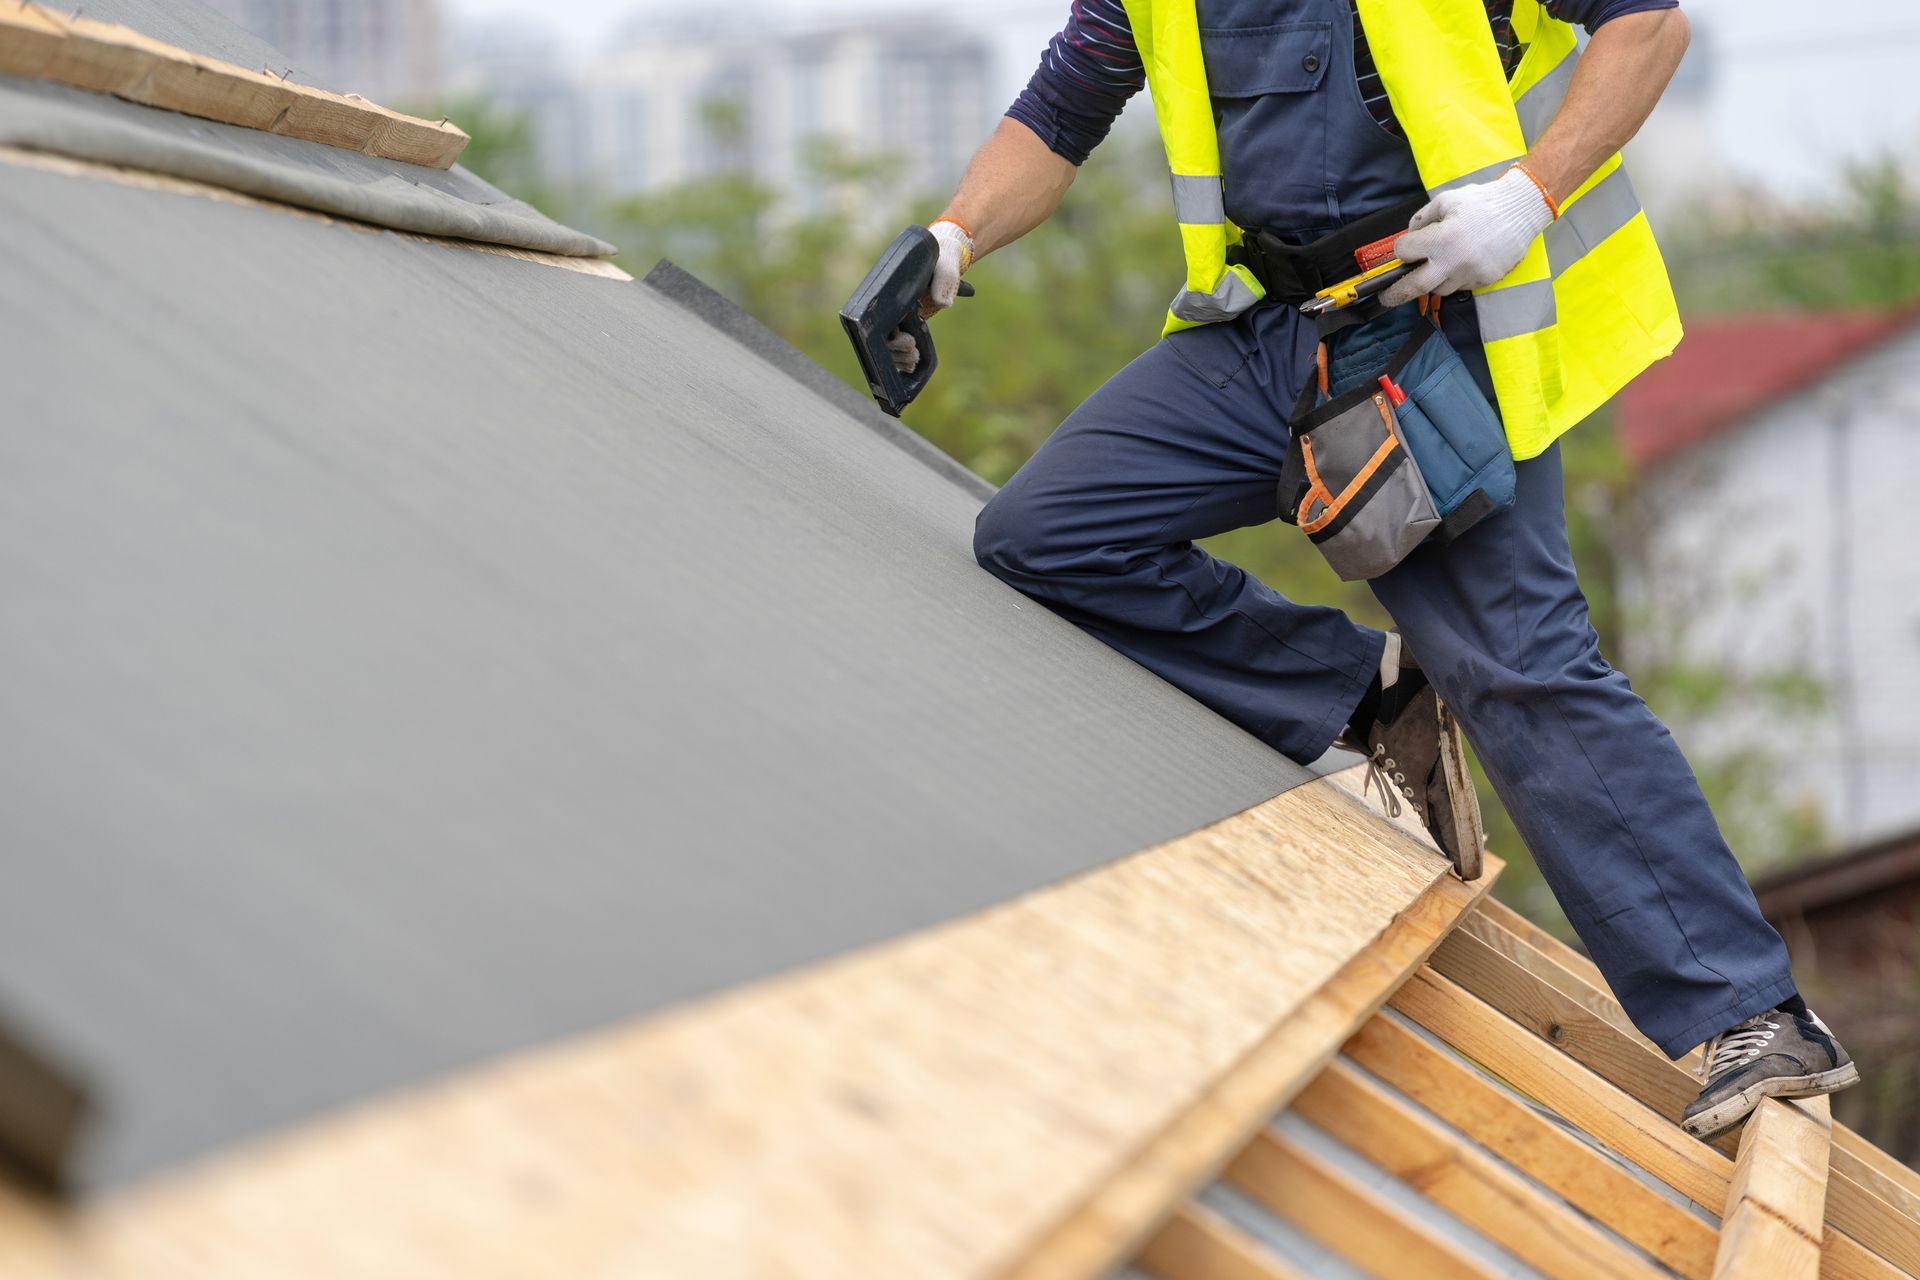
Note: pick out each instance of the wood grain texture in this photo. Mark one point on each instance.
(1862, 1201)
(1481, 1192)
(1192, 1150)
(1198, 1244)
(1516, 1133)
(1777, 1200)
(149, 181)
(930, 1107)
(1576, 1093)
(1899, 1184)
(1344, 1214)
(45, 44)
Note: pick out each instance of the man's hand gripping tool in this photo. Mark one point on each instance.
(889, 299)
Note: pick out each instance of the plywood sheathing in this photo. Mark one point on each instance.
(930, 1107)
(1175, 1163)
(105, 57)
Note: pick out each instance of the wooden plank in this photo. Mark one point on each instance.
(1584, 1098)
(106, 57)
(1529, 1141)
(1874, 1209)
(1777, 1200)
(1545, 943)
(1344, 1214)
(1499, 1204)
(1594, 1105)
(932, 1106)
(1522, 942)
(1198, 1244)
(1844, 1258)
(1901, 1177)
(1545, 999)
(1192, 1150)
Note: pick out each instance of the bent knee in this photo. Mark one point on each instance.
(1008, 536)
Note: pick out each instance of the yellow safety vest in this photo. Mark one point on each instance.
(1586, 310)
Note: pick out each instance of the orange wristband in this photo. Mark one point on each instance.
(1553, 206)
(963, 231)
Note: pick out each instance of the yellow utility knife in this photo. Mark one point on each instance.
(1354, 288)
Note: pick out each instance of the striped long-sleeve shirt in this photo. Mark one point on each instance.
(1091, 68)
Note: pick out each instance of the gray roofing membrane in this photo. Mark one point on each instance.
(42, 116)
(410, 654)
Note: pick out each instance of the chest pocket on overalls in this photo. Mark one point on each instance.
(1266, 83)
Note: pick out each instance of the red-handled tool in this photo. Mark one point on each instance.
(1392, 388)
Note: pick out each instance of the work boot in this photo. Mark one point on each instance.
(1775, 1054)
(1416, 756)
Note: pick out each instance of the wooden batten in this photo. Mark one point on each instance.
(1344, 1214)
(1545, 1151)
(1198, 1244)
(105, 57)
(1866, 1201)
(1478, 1190)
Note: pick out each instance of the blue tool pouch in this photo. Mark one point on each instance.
(1451, 432)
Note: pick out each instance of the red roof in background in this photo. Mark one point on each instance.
(1727, 367)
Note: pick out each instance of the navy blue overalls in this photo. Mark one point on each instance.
(1188, 441)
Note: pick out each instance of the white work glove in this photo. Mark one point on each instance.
(956, 255)
(1470, 237)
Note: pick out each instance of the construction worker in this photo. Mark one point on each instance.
(1297, 130)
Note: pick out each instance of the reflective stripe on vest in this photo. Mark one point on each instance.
(1589, 306)
(1167, 34)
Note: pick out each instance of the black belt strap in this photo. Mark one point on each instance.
(1293, 273)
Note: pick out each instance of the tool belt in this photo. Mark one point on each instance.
(1294, 273)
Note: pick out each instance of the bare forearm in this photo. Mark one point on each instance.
(1619, 78)
(1013, 184)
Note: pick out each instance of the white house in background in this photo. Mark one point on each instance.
(1779, 510)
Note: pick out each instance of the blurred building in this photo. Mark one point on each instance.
(1852, 925)
(1777, 519)
(516, 67)
(675, 99)
(387, 50)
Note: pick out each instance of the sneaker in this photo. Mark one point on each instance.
(1775, 1054)
(1416, 756)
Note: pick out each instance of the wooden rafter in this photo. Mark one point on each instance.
(1776, 1205)
(1478, 1190)
(1865, 1200)
(44, 44)
(1198, 1244)
(1345, 1214)
(1589, 1180)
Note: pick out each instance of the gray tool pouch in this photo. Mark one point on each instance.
(1366, 505)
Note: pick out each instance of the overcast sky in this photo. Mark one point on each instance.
(1797, 85)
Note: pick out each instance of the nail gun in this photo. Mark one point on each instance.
(888, 300)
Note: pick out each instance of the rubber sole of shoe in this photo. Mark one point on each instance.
(1469, 835)
(1722, 1116)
